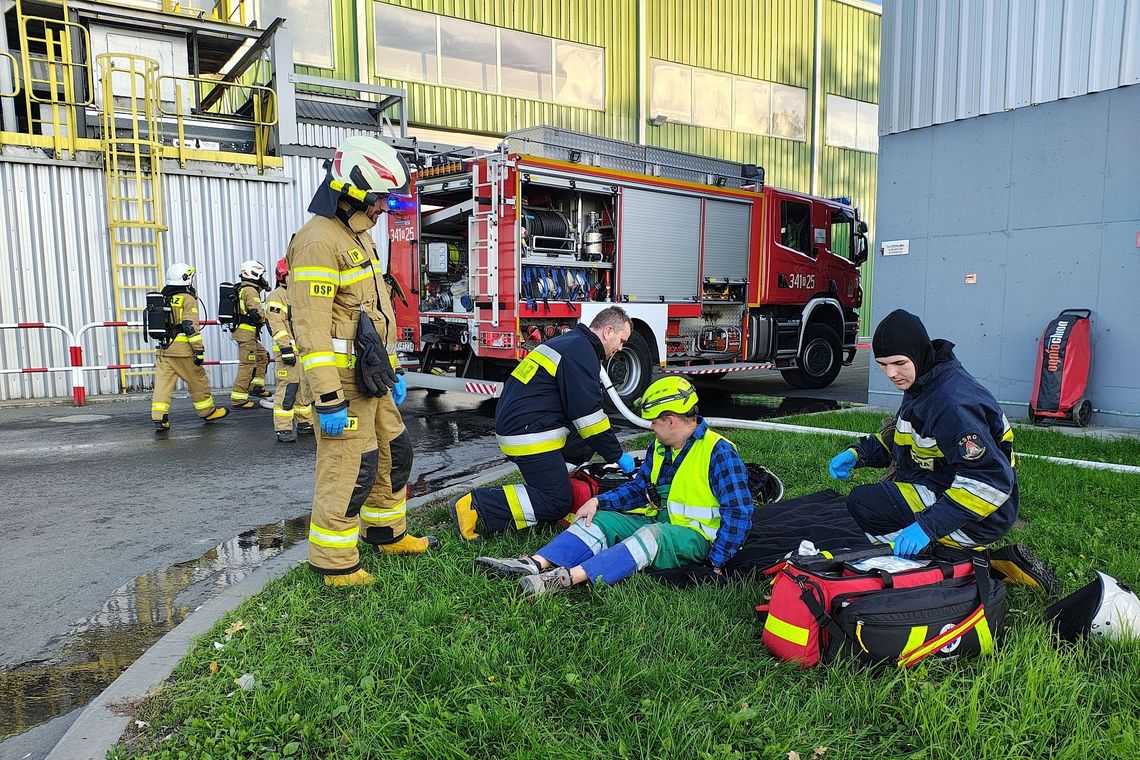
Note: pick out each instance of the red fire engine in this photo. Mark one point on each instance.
(497, 252)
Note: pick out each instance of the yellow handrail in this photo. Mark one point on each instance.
(15, 69)
(227, 106)
(58, 40)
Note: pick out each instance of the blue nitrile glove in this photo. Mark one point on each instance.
(842, 464)
(911, 540)
(626, 463)
(333, 423)
(399, 390)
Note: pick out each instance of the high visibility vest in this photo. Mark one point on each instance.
(689, 498)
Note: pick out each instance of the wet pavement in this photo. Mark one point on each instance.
(115, 535)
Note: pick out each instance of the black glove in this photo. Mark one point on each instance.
(375, 375)
(288, 356)
(199, 358)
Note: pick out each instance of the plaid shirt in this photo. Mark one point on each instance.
(728, 479)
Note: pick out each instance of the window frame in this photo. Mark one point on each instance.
(333, 36)
(807, 230)
(862, 107)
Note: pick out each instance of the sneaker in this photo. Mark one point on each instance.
(286, 436)
(216, 414)
(534, 586)
(409, 544)
(359, 577)
(506, 567)
(464, 518)
(1016, 564)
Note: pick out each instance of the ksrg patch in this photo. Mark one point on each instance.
(970, 447)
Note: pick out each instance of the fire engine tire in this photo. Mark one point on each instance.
(631, 369)
(820, 359)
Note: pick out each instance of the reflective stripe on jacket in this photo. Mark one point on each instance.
(689, 498)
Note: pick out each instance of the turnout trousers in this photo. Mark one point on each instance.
(292, 401)
(361, 484)
(883, 509)
(544, 496)
(167, 371)
(618, 544)
(253, 360)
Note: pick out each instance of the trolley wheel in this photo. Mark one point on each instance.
(1082, 413)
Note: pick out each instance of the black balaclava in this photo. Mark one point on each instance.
(902, 333)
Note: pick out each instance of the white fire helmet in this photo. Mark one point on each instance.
(252, 270)
(180, 275)
(1106, 607)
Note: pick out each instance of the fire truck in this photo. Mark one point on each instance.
(495, 253)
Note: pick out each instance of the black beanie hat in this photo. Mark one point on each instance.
(902, 333)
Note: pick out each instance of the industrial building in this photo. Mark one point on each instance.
(138, 133)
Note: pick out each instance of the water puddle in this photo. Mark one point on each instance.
(138, 613)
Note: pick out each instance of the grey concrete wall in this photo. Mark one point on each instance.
(1042, 204)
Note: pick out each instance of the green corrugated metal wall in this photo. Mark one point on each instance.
(771, 40)
(851, 70)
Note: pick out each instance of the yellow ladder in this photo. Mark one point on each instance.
(132, 162)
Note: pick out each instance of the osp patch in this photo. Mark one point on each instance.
(970, 447)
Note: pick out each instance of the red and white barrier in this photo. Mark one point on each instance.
(42, 370)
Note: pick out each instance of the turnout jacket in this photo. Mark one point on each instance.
(184, 314)
(334, 277)
(556, 387)
(277, 316)
(952, 437)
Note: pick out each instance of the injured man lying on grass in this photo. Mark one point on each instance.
(688, 503)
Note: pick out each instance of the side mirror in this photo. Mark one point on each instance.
(860, 253)
(861, 228)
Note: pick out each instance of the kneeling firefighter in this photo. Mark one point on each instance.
(345, 330)
(292, 402)
(253, 359)
(181, 352)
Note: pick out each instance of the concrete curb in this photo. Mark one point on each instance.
(98, 727)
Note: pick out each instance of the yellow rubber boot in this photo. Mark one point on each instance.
(217, 414)
(409, 544)
(464, 518)
(360, 577)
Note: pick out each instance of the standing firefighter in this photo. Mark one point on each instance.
(345, 329)
(181, 353)
(293, 400)
(552, 391)
(253, 359)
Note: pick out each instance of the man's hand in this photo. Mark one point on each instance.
(333, 423)
(399, 390)
(627, 464)
(842, 464)
(587, 511)
(718, 570)
(288, 356)
(911, 540)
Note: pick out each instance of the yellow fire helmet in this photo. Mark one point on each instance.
(669, 394)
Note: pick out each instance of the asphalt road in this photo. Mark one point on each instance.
(113, 534)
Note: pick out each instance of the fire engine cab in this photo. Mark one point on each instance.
(495, 253)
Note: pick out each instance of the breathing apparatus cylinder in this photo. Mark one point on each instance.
(227, 304)
(158, 319)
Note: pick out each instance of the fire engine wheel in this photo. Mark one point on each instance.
(1082, 413)
(819, 361)
(631, 369)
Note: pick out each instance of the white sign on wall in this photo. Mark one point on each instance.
(895, 247)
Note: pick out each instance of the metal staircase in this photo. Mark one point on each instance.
(132, 161)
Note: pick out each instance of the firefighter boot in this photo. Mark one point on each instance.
(464, 517)
(359, 577)
(163, 425)
(1016, 564)
(534, 586)
(248, 404)
(304, 428)
(409, 544)
(218, 413)
(286, 436)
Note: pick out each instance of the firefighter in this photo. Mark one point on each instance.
(345, 328)
(689, 502)
(253, 359)
(550, 415)
(292, 402)
(182, 355)
(954, 481)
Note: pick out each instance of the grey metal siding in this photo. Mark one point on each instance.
(727, 230)
(660, 245)
(945, 60)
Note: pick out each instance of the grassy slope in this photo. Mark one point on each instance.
(443, 663)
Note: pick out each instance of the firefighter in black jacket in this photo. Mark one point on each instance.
(550, 414)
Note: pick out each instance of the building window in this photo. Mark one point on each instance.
(852, 124)
(706, 98)
(310, 24)
(795, 226)
(425, 47)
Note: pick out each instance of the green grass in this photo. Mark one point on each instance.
(439, 662)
